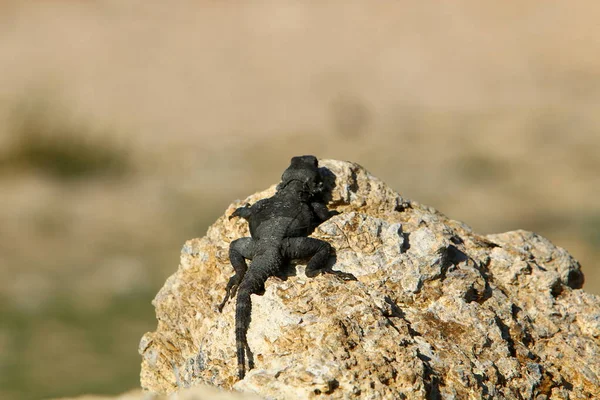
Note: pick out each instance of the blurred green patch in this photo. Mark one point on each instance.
(478, 167)
(63, 350)
(590, 227)
(47, 140)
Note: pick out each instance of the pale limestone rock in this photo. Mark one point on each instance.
(437, 310)
(202, 392)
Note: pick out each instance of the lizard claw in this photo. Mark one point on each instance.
(220, 306)
(345, 276)
(230, 291)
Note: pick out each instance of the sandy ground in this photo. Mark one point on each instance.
(486, 112)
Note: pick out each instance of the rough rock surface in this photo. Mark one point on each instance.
(437, 311)
(201, 392)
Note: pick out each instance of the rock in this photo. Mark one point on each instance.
(201, 392)
(437, 311)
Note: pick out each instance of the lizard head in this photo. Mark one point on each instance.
(310, 162)
(303, 170)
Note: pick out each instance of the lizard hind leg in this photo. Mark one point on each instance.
(239, 251)
(318, 251)
(304, 247)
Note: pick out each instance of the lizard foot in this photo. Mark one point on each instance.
(230, 290)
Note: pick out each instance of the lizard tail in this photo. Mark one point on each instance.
(262, 267)
(242, 321)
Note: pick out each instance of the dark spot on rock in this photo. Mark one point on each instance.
(455, 255)
(556, 289)
(332, 385)
(432, 380)
(401, 207)
(505, 332)
(481, 383)
(406, 242)
(472, 294)
(353, 182)
(456, 239)
(575, 279)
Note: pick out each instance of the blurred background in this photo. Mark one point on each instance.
(127, 127)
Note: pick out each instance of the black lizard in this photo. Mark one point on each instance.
(279, 226)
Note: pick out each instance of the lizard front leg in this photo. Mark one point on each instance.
(239, 251)
(243, 212)
(322, 212)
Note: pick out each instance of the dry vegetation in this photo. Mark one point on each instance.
(144, 120)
